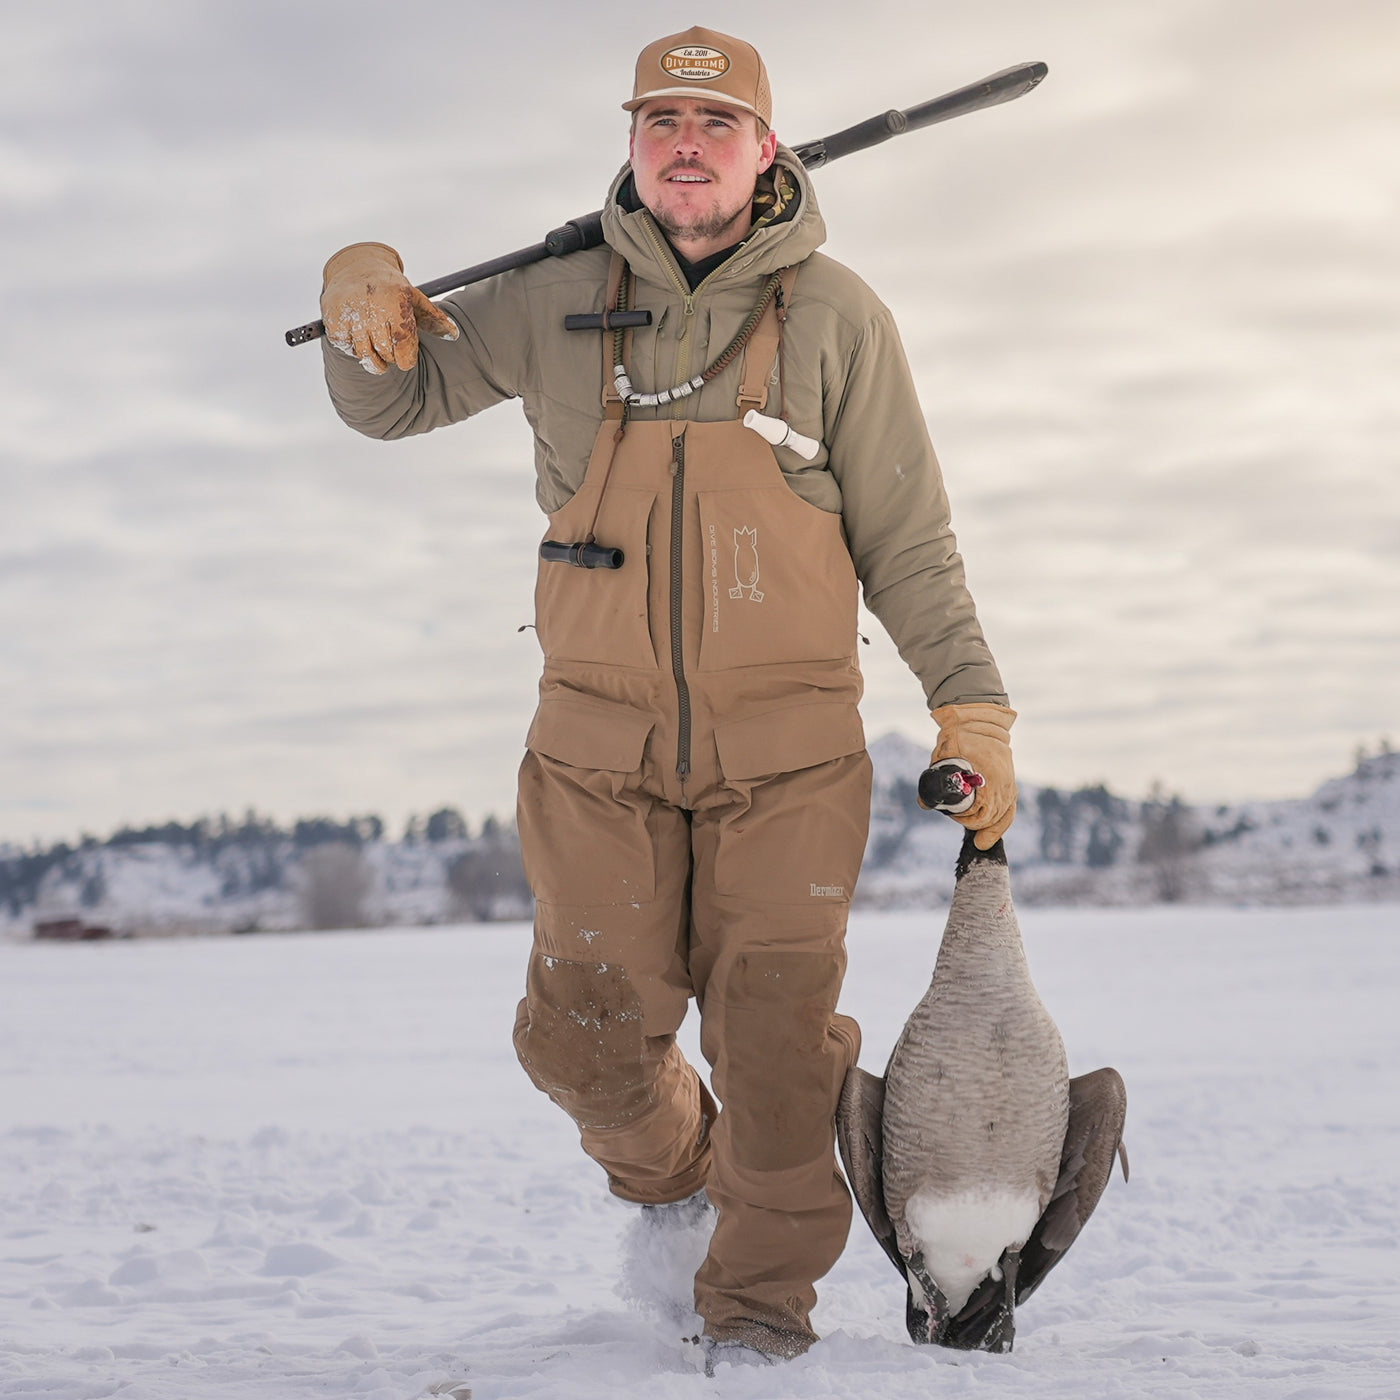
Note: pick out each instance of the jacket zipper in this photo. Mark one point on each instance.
(688, 298)
(677, 650)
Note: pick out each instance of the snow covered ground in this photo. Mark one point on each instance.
(308, 1166)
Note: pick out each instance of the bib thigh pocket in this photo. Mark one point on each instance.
(799, 834)
(583, 822)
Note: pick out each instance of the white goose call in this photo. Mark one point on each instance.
(781, 434)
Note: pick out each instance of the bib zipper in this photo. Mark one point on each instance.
(677, 599)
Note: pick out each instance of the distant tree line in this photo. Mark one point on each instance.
(251, 853)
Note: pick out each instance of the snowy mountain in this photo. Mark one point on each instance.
(1342, 844)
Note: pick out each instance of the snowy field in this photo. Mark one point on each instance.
(286, 1167)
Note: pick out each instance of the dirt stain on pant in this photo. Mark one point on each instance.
(581, 1040)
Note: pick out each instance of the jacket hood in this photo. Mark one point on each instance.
(790, 239)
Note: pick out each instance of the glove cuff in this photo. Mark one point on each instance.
(371, 254)
(989, 718)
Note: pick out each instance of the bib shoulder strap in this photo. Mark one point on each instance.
(761, 353)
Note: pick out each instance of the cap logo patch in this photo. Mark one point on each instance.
(694, 63)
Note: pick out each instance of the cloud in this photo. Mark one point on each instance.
(1151, 307)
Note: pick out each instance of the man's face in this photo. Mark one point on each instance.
(695, 163)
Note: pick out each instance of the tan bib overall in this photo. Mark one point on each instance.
(693, 812)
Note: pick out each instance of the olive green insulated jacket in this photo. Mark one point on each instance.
(847, 384)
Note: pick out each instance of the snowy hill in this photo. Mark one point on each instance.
(218, 877)
(1342, 844)
(1090, 847)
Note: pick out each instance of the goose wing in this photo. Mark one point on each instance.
(860, 1135)
(1098, 1108)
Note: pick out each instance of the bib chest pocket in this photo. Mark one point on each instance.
(778, 582)
(599, 615)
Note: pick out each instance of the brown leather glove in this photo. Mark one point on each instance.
(373, 312)
(980, 732)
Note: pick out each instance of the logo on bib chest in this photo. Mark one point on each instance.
(746, 566)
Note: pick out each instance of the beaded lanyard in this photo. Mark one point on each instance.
(632, 399)
(628, 396)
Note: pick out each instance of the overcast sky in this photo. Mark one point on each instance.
(1153, 309)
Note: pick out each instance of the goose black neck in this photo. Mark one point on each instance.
(971, 856)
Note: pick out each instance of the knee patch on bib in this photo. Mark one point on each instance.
(580, 1039)
(785, 1055)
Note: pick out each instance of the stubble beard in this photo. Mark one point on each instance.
(701, 227)
(698, 227)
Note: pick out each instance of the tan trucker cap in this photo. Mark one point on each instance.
(703, 61)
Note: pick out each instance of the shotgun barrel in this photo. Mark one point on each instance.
(587, 230)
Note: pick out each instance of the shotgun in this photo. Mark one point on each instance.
(587, 231)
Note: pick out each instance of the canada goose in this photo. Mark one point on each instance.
(976, 1160)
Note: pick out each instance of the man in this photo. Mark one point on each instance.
(694, 797)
